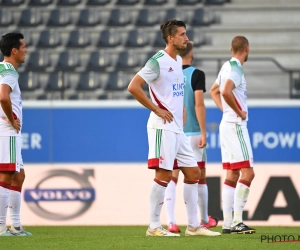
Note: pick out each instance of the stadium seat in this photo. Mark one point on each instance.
(49, 39)
(155, 2)
(297, 84)
(40, 2)
(203, 17)
(97, 2)
(198, 39)
(137, 38)
(99, 60)
(30, 18)
(88, 17)
(119, 17)
(6, 17)
(128, 60)
(117, 81)
(216, 2)
(38, 61)
(88, 81)
(67, 61)
(28, 81)
(56, 83)
(1, 57)
(12, 2)
(127, 2)
(109, 38)
(159, 41)
(175, 13)
(78, 39)
(147, 17)
(68, 2)
(59, 17)
(188, 2)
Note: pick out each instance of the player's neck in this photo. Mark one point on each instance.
(11, 61)
(171, 52)
(241, 58)
(186, 61)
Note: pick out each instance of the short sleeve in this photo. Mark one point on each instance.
(198, 80)
(236, 73)
(9, 79)
(218, 80)
(150, 72)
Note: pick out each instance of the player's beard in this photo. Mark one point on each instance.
(246, 58)
(180, 48)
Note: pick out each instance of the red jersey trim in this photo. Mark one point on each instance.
(237, 103)
(158, 102)
(201, 164)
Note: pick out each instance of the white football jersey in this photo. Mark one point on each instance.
(233, 70)
(165, 79)
(9, 76)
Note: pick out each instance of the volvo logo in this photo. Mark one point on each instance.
(37, 197)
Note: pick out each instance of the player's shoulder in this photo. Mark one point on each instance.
(7, 69)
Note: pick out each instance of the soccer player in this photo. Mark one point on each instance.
(195, 129)
(12, 174)
(167, 141)
(230, 95)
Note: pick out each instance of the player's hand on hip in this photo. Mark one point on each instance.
(164, 114)
(15, 123)
(243, 115)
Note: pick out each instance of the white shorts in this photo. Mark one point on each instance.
(166, 146)
(10, 153)
(199, 153)
(235, 146)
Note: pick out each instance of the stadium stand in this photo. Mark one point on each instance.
(93, 47)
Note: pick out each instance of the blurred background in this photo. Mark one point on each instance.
(84, 136)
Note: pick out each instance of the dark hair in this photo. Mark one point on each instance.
(188, 49)
(169, 28)
(239, 43)
(10, 41)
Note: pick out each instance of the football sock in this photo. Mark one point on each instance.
(203, 200)
(227, 202)
(4, 196)
(190, 196)
(170, 198)
(157, 195)
(240, 198)
(14, 205)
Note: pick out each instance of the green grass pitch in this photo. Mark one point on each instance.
(133, 237)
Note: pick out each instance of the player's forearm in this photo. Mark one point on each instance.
(217, 99)
(7, 108)
(201, 117)
(229, 99)
(139, 94)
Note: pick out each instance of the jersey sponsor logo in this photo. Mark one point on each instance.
(178, 88)
(47, 190)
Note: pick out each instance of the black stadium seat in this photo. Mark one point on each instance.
(119, 17)
(28, 81)
(30, 18)
(155, 2)
(40, 2)
(109, 38)
(68, 2)
(159, 41)
(147, 17)
(127, 2)
(137, 38)
(59, 17)
(117, 81)
(88, 81)
(97, 2)
(128, 60)
(67, 61)
(99, 60)
(78, 39)
(188, 2)
(88, 17)
(38, 61)
(49, 39)
(12, 2)
(203, 17)
(6, 17)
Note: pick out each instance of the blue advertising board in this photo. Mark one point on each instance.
(101, 132)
